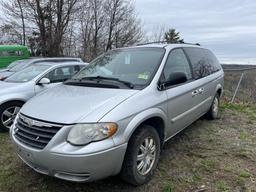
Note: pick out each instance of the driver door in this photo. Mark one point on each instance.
(180, 100)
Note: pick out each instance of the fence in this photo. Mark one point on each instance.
(240, 84)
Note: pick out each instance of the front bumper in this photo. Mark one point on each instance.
(77, 168)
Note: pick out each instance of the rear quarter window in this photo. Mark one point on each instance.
(213, 61)
(203, 62)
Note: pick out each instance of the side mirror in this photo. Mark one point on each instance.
(44, 81)
(174, 79)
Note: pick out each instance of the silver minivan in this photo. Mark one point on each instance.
(114, 116)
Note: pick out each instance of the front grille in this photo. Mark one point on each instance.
(34, 133)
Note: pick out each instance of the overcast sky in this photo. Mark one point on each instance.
(227, 27)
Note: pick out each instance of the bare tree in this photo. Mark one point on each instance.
(15, 10)
(22, 20)
(158, 33)
(83, 28)
(86, 31)
(128, 32)
(9, 34)
(52, 19)
(121, 23)
(98, 22)
(107, 24)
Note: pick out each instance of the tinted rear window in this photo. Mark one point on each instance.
(203, 62)
(213, 61)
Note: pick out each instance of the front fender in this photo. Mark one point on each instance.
(141, 117)
(13, 97)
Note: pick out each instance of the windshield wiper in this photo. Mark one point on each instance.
(127, 83)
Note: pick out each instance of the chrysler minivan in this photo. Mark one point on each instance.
(115, 115)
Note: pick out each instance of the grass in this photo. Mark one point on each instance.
(245, 174)
(168, 188)
(248, 109)
(208, 156)
(222, 186)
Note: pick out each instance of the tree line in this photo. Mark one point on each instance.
(83, 28)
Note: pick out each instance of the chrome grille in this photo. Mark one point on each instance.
(34, 133)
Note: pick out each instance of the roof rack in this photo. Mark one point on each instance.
(155, 42)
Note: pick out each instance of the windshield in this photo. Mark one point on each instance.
(136, 65)
(27, 74)
(16, 64)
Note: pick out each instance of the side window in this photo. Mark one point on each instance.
(61, 74)
(199, 61)
(19, 53)
(77, 68)
(177, 62)
(213, 61)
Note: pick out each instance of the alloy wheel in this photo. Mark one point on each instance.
(9, 115)
(215, 106)
(146, 156)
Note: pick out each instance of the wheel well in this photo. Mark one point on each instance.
(219, 91)
(158, 124)
(13, 101)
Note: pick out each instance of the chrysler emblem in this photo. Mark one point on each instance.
(30, 123)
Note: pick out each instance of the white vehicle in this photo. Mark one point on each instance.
(21, 86)
(21, 64)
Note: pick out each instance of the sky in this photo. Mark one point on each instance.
(227, 27)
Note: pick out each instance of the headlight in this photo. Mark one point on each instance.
(82, 134)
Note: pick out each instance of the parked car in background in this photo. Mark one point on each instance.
(10, 53)
(115, 114)
(21, 64)
(21, 86)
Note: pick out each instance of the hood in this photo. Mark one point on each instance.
(3, 70)
(5, 73)
(8, 87)
(74, 104)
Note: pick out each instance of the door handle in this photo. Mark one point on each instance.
(195, 92)
(201, 90)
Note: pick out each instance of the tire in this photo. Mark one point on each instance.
(8, 112)
(130, 171)
(213, 112)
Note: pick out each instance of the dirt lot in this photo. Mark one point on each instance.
(208, 156)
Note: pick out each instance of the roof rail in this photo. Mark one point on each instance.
(155, 42)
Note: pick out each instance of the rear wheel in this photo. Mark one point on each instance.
(213, 112)
(142, 156)
(8, 112)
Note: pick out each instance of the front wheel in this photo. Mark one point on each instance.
(142, 156)
(8, 112)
